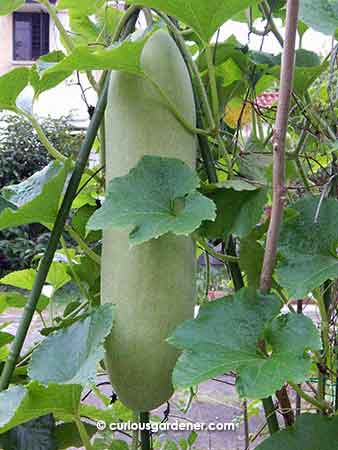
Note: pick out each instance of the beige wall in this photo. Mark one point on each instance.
(5, 44)
(6, 38)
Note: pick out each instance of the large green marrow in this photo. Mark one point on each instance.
(153, 284)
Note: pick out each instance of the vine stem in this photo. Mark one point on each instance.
(219, 256)
(183, 121)
(71, 268)
(205, 117)
(53, 152)
(145, 434)
(268, 15)
(83, 245)
(83, 434)
(192, 67)
(54, 239)
(213, 83)
(135, 434)
(131, 12)
(279, 140)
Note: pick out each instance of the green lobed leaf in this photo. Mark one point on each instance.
(8, 6)
(5, 338)
(226, 336)
(14, 299)
(58, 275)
(108, 19)
(84, 29)
(240, 220)
(311, 432)
(11, 85)
(37, 198)
(229, 49)
(125, 57)
(204, 17)
(70, 356)
(19, 404)
(24, 279)
(308, 249)
(80, 220)
(37, 434)
(156, 197)
(40, 83)
(116, 413)
(321, 15)
(88, 271)
(308, 67)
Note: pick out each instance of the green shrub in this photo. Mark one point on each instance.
(21, 152)
(21, 155)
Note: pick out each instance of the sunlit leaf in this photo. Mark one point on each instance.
(204, 17)
(11, 85)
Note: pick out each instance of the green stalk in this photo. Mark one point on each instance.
(208, 159)
(54, 153)
(83, 434)
(235, 271)
(219, 256)
(54, 239)
(270, 415)
(71, 268)
(213, 83)
(103, 142)
(195, 75)
(207, 277)
(268, 15)
(254, 123)
(206, 119)
(127, 23)
(135, 441)
(145, 434)
(83, 245)
(260, 128)
(226, 155)
(183, 121)
(302, 174)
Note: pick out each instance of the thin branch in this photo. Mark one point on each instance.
(279, 140)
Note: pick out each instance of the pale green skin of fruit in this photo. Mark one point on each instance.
(152, 284)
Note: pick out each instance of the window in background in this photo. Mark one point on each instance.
(30, 35)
